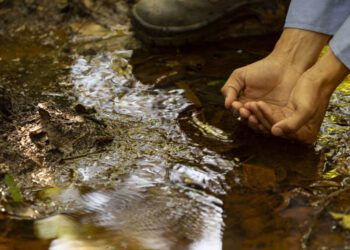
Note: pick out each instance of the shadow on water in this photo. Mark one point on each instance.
(182, 171)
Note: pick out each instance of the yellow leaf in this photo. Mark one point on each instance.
(172, 64)
(49, 192)
(216, 82)
(332, 174)
(345, 219)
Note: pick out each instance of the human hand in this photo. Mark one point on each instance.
(272, 79)
(302, 116)
(267, 80)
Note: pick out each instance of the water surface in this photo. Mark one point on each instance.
(182, 172)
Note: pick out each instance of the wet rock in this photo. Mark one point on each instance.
(259, 177)
(54, 134)
(89, 29)
(84, 110)
(20, 210)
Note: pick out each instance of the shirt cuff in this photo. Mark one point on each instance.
(325, 16)
(340, 43)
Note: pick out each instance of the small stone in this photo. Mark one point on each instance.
(4, 168)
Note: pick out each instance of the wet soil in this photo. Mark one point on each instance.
(108, 144)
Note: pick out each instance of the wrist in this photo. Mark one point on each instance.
(330, 72)
(299, 48)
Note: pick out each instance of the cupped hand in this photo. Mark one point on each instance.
(302, 116)
(269, 80)
(300, 119)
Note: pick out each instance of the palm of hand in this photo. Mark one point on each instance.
(274, 114)
(301, 117)
(264, 81)
(268, 81)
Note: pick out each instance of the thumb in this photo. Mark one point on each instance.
(231, 89)
(293, 123)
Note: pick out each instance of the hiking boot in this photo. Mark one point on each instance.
(179, 22)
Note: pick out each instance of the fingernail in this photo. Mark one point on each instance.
(277, 131)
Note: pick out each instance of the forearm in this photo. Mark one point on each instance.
(299, 48)
(328, 73)
(334, 66)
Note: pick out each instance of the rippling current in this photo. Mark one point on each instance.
(156, 188)
(179, 174)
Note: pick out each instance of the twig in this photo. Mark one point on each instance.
(83, 155)
(79, 137)
(326, 201)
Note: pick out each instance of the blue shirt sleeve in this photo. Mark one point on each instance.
(340, 43)
(324, 16)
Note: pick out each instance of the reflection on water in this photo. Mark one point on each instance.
(149, 189)
(100, 83)
(335, 129)
(178, 175)
(182, 172)
(139, 214)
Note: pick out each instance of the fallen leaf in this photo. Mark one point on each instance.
(49, 192)
(345, 219)
(215, 83)
(331, 174)
(189, 93)
(14, 190)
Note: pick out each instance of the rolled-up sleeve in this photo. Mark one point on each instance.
(324, 16)
(340, 43)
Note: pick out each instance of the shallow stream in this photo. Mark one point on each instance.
(182, 172)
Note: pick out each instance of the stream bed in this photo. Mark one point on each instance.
(109, 144)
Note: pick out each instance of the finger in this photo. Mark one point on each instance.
(268, 113)
(248, 105)
(232, 88)
(237, 105)
(292, 124)
(259, 115)
(257, 127)
(254, 126)
(263, 129)
(252, 118)
(245, 113)
(231, 94)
